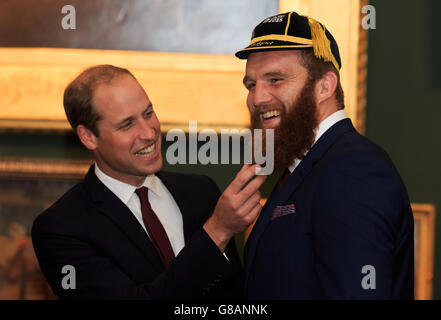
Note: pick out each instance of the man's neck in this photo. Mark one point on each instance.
(132, 180)
(323, 126)
(135, 181)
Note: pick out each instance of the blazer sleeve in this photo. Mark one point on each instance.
(362, 231)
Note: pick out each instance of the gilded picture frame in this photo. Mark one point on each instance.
(203, 87)
(424, 218)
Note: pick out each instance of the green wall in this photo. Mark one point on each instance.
(404, 98)
(64, 146)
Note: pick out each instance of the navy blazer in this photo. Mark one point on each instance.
(341, 227)
(90, 229)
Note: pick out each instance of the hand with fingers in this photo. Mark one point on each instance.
(237, 207)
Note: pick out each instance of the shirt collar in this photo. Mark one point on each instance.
(321, 129)
(329, 122)
(124, 191)
(153, 184)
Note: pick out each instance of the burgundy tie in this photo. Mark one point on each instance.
(154, 228)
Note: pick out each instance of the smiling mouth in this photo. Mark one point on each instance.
(270, 115)
(146, 152)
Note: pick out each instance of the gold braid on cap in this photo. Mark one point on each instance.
(321, 43)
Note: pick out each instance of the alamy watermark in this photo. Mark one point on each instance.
(69, 281)
(369, 21)
(208, 153)
(368, 282)
(69, 21)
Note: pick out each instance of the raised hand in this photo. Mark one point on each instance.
(237, 207)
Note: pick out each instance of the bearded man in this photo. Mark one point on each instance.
(338, 225)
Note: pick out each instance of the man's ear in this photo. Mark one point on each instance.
(325, 87)
(87, 137)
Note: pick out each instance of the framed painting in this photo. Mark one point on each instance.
(184, 83)
(27, 187)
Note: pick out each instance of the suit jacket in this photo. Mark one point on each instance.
(90, 229)
(341, 227)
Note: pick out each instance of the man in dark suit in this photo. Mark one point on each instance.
(129, 230)
(338, 225)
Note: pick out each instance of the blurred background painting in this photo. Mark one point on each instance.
(26, 189)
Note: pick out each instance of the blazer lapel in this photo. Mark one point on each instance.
(292, 183)
(120, 214)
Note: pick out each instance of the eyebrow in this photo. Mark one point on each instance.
(124, 121)
(130, 118)
(149, 106)
(268, 75)
(276, 74)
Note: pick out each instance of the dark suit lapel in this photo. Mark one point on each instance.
(177, 190)
(112, 207)
(278, 198)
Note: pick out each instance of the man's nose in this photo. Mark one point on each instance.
(146, 130)
(261, 95)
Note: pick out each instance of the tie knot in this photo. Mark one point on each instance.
(286, 174)
(284, 177)
(142, 193)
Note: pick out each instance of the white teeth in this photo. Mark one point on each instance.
(146, 152)
(270, 114)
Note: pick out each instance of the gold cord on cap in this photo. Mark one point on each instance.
(321, 43)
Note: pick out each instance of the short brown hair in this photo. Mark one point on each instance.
(78, 96)
(317, 68)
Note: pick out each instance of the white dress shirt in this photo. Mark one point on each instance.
(161, 201)
(321, 129)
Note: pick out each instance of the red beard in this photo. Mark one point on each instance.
(296, 132)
